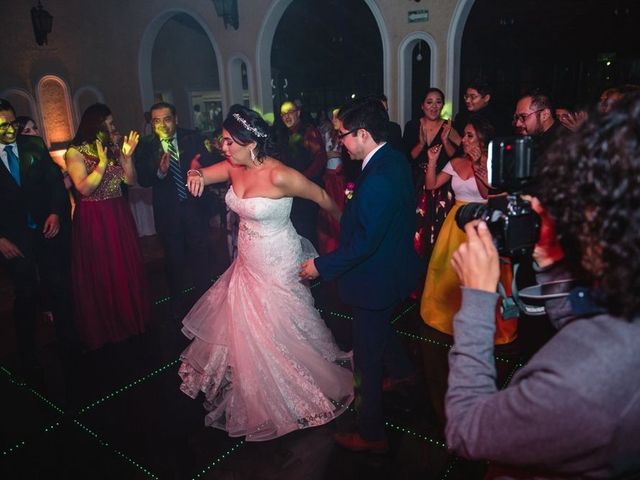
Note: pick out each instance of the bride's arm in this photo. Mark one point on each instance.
(293, 184)
(197, 178)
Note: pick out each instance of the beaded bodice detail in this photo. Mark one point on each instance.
(260, 216)
(113, 175)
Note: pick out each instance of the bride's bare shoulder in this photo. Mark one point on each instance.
(281, 175)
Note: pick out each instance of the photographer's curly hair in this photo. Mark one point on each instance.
(591, 188)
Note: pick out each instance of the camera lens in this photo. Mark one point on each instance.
(472, 211)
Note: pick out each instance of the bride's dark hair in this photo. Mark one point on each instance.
(246, 126)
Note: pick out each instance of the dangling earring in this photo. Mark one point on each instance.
(253, 154)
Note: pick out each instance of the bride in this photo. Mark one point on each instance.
(261, 354)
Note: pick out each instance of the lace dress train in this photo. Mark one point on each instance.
(261, 354)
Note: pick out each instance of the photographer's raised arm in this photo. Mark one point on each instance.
(476, 261)
(545, 403)
(518, 424)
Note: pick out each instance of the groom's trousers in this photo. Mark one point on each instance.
(376, 349)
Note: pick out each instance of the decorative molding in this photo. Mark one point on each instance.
(57, 124)
(405, 52)
(145, 54)
(454, 46)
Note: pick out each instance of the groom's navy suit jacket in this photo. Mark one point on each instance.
(375, 264)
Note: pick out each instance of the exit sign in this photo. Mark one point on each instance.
(418, 16)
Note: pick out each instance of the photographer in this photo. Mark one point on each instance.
(574, 409)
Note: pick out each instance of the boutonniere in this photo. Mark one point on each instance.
(348, 192)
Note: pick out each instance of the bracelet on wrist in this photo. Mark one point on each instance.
(194, 171)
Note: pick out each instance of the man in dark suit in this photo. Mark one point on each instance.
(34, 235)
(181, 220)
(375, 264)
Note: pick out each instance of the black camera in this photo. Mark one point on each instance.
(513, 223)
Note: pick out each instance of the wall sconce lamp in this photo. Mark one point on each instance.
(42, 21)
(228, 10)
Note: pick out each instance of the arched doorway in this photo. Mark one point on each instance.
(417, 72)
(179, 63)
(240, 78)
(454, 42)
(325, 52)
(22, 102)
(271, 80)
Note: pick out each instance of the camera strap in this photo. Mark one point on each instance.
(531, 300)
(509, 307)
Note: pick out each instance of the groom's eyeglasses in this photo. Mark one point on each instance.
(342, 135)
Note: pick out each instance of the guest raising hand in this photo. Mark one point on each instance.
(108, 278)
(431, 205)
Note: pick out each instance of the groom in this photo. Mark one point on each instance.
(375, 265)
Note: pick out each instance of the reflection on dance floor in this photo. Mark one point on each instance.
(117, 413)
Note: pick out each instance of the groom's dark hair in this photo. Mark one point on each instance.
(367, 113)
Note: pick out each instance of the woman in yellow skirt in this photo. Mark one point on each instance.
(441, 297)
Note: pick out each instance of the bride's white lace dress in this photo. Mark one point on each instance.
(264, 359)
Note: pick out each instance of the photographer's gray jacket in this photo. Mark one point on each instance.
(573, 410)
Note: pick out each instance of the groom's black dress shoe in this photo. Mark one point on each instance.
(355, 443)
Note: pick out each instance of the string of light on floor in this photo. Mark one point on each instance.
(118, 452)
(223, 456)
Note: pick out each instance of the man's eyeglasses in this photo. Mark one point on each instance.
(288, 112)
(342, 135)
(522, 117)
(158, 121)
(5, 126)
(471, 97)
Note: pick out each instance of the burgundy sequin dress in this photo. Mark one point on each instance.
(109, 284)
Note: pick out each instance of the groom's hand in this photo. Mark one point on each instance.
(308, 270)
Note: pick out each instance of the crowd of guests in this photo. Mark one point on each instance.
(104, 275)
(97, 292)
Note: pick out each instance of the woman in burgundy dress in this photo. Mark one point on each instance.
(110, 289)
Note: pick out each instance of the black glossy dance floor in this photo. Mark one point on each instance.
(118, 413)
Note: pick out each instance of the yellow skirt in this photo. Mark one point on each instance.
(442, 295)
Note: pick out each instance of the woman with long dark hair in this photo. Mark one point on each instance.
(420, 135)
(264, 359)
(109, 285)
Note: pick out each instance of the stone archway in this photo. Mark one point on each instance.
(23, 102)
(145, 55)
(264, 45)
(237, 92)
(405, 52)
(454, 48)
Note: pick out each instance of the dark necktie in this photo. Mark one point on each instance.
(14, 165)
(176, 171)
(14, 168)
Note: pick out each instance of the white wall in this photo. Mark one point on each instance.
(107, 45)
